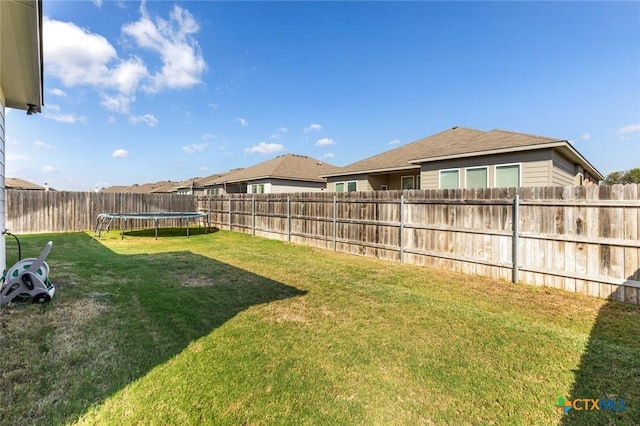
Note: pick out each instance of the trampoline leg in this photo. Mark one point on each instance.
(157, 228)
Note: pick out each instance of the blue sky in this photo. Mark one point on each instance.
(141, 92)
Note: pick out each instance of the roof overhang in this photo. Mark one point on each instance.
(252, 178)
(21, 56)
(374, 171)
(563, 146)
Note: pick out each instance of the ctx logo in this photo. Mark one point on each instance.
(588, 404)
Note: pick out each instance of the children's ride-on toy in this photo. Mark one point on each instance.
(28, 280)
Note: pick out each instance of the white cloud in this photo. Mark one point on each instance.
(40, 144)
(585, 137)
(264, 148)
(622, 132)
(329, 155)
(98, 3)
(117, 103)
(214, 106)
(78, 57)
(194, 147)
(394, 141)
(313, 128)
(111, 119)
(207, 136)
(325, 142)
(278, 134)
(16, 157)
(182, 59)
(58, 92)
(120, 153)
(148, 119)
(64, 118)
(242, 122)
(48, 168)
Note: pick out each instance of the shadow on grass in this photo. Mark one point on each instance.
(114, 318)
(166, 232)
(609, 370)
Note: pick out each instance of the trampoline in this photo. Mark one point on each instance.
(105, 219)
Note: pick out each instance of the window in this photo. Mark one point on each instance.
(477, 177)
(407, 182)
(384, 187)
(450, 179)
(213, 191)
(257, 188)
(350, 186)
(508, 176)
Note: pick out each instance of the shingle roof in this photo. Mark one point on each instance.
(17, 183)
(398, 158)
(287, 166)
(161, 186)
(452, 143)
(483, 141)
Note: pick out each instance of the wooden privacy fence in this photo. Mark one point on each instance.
(56, 211)
(582, 239)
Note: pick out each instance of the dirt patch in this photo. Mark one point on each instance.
(198, 282)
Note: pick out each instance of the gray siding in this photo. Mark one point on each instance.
(535, 168)
(362, 182)
(564, 171)
(279, 186)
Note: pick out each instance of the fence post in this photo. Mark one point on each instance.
(402, 228)
(515, 243)
(229, 212)
(253, 215)
(288, 218)
(335, 222)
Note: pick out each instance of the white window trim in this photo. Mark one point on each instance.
(495, 173)
(447, 170)
(413, 181)
(466, 182)
(384, 187)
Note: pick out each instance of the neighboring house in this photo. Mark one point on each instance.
(17, 183)
(21, 76)
(285, 173)
(164, 186)
(468, 158)
(189, 187)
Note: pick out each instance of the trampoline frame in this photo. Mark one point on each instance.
(104, 220)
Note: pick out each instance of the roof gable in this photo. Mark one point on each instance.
(287, 166)
(398, 158)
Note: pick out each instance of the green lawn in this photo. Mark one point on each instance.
(225, 328)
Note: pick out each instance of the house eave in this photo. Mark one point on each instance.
(297, 179)
(21, 54)
(373, 171)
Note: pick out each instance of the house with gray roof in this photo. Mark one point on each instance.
(468, 158)
(284, 173)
